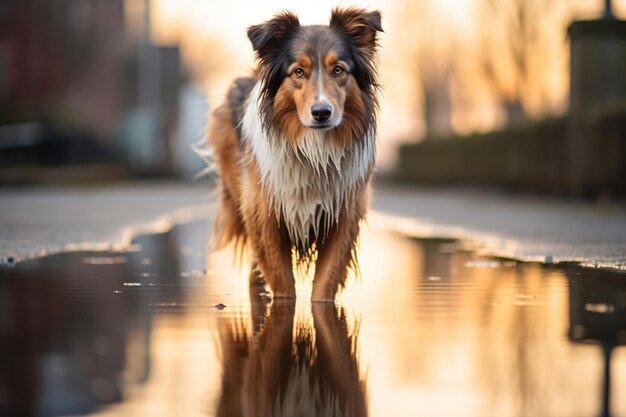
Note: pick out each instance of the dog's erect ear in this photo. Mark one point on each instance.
(270, 37)
(359, 25)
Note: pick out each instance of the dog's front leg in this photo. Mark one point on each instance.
(273, 255)
(334, 259)
(271, 252)
(269, 243)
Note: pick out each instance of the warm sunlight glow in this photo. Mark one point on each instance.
(441, 35)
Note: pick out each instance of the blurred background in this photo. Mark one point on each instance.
(524, 94)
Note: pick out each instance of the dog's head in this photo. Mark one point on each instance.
(318, 77)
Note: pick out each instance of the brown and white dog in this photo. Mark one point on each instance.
(295, 146)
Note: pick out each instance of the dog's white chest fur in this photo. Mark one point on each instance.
(308, 183)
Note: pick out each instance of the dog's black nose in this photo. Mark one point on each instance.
(321, 111)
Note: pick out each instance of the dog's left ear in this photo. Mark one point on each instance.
(359, 25)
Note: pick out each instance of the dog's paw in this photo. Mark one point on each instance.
(322, 297)
(323, 294)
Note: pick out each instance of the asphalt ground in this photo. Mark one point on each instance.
(40, 221)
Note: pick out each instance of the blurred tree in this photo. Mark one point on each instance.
(515, 38)
(427, 45)
(207, 58)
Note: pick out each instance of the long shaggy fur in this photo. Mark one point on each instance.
(290, 178)
(308, 182)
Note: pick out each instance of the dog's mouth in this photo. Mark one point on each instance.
(322, 126)
(330, 123)
(325, 125)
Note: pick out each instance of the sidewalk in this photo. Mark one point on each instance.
(43, 221)
(529, 228)
(39, 221)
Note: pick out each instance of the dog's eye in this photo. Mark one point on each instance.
(299, 72)
(338, 70)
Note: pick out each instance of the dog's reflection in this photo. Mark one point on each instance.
(281, 370)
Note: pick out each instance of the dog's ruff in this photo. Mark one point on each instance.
(309, 178)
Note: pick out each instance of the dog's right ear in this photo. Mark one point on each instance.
(269, 38)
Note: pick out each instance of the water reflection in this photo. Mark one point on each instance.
(430, 329)
(68, 322)
(597, 315)
(290, 366)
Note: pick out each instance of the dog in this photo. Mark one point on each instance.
(295, 147)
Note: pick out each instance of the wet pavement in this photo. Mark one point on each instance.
(529, 227)
(37, 221)
(166, 327)
(45, 220)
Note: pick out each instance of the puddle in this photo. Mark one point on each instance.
(166, 329)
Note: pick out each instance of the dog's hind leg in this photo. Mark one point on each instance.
(222, 137)
(228, 223)
(256, 278)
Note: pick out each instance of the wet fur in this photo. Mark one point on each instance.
(287, 187)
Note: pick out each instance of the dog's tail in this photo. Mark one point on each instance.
(202, 149)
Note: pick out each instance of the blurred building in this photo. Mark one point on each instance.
(70, 74)
(63, 59)
(581, 154)
(596, 136)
